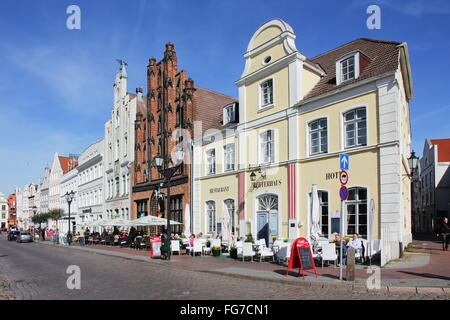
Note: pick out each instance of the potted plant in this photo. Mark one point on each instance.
(233, 252)
(215, 251)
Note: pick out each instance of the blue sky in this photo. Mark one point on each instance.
(56, 84)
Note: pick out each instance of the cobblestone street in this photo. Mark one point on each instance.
(38, 271)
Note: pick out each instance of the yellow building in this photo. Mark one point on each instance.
(277, 151)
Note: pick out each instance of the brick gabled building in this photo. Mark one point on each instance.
(173, 104)
(12, 219)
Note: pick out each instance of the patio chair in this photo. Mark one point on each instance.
(263, 251)
(284, 254)
(198, 247)
(329, 253)
(175, 246)
(238, 245)
(247, 251)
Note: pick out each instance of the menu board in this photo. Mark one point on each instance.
(306, 258)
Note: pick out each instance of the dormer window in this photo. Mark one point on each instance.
(348, 69)
(349, 66)
(229, 114)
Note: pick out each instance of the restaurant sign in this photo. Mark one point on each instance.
(265, 184)
(218, 190)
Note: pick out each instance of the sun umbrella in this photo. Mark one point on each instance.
(187, 219)
(315, 214)
(151, 221)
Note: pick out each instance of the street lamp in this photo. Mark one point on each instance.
(69, 198)
(167, 172)
(413, 161)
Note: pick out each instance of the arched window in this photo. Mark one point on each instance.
(268, 202)
(357, 211)
(211, 216)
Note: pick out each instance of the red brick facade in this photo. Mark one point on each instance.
(12, 218)
(172, 103)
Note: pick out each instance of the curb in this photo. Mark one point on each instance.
(355, 287)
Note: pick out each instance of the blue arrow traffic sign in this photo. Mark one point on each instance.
(343, 161)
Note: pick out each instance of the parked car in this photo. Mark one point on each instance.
(24, 236)
(12, 235)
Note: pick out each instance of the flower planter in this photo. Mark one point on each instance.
(233, 253)
(215, 252)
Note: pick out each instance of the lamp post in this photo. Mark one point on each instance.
(69, 198)
(167, 172)
(413, 161)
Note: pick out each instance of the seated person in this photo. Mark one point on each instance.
(355, 242)
(337, 239)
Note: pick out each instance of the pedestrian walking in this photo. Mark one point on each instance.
(82, 240)
(445, 233)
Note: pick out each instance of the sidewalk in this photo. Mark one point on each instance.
(424, 269)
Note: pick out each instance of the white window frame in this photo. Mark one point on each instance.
(226, 157)
(344, 128)
(211, 223)
(208, 164)
(262, 105)
(309, 144)
(356, 56)
(226, 113)
(261, 148)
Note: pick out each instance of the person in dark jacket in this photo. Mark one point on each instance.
(165, 244)
(445, 233)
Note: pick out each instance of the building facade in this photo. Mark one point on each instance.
(44, 191)
(12, 215)
(60, 166)
(3, 212)
(91, 184)
(295, 116)
(119, 149)
(434, 191)
(69, 183)
(164, 123)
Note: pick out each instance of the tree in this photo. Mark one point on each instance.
(55, 214)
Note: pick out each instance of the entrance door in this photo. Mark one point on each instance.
(263, 227)
(267, 217)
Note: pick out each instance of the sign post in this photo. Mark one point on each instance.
(344, 162)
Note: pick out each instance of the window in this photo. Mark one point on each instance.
(229, 205)
(267, 147)
(211, 215)
(176, 212)
(318, 136)
(267, 93)
(142, 209)
(348, 69)
(323, 204)
(117, 187)
(357, 211)
(229, 155)
(211, 161)
(355, 128)
(229, 114)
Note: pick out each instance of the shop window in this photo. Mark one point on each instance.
(357, 211)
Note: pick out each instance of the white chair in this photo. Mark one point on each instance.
(284, 253)
(175, 246)
(247, 251)
(263, 251)
(238, 245)
(329, 253)
(216, 243)
(198, 247)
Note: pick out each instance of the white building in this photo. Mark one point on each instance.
(60, 166)
(434, 183)
(69, 183)
(90, 183)
(3, 212)
(27, 204)
(119, 149)
(44, 190)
